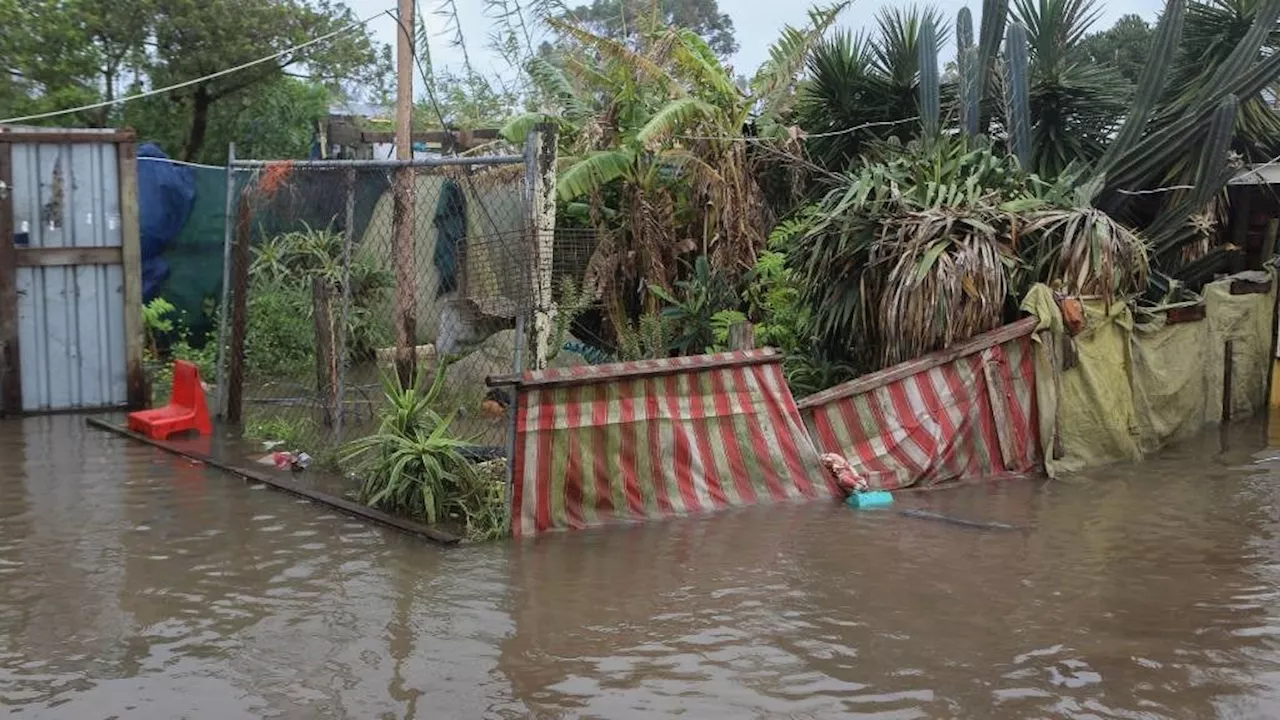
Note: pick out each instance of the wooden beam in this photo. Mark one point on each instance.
(48, 136)
(10, 365)
(54, 257)
(590, 374)
(287, 485)
(131, 259)
(924, 363)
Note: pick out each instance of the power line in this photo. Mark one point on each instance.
(196, 81)
(803, 135)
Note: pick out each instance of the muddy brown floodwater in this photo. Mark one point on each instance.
(136, 585)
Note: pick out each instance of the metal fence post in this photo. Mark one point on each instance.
(540, 189)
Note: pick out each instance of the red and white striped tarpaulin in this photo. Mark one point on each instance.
(654, 439)
(964, 412)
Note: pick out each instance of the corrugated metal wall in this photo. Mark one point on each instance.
(70, 317)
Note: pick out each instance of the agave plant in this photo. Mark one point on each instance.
(414, 465)
(1074, 105)
(899, 247)
(863, 88)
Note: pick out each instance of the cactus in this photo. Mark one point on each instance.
(1018, 121)
(995, 13)
(1169, 231)
(964, 29)
(927, 47)
(1150, 84)
(1133, 160)
(967, 73)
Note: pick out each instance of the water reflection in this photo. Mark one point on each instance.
(136, 584)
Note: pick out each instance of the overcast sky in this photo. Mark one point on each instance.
(756, 23)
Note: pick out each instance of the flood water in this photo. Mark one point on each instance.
(136, 585)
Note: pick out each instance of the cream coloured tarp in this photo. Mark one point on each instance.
(1124, 386)
(494, 282)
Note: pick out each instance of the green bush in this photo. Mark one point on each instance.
(280, 338)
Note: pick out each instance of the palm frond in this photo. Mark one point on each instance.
(594, 172)
(674, 117)
(551, 82)
(787, 54)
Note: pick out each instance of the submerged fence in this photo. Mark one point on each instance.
(322, 297)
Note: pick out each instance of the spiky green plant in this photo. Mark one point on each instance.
(415, 466)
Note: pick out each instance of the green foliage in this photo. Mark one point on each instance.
(573, 302)
(291, 431)
(916, 252)
(1124, 46)
(649, 338)
(625, 20)
(61, 54)
(692, 309)
(169, 339)
(281, 337)
(466, 101)
(416, 467)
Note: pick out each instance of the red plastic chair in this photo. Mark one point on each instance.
(187, 409)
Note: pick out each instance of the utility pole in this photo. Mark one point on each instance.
(402, 214)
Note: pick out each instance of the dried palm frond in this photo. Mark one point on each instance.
(1087, 253)
(946, 280)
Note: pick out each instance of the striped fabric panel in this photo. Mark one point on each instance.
(634, 448)
(972, 417)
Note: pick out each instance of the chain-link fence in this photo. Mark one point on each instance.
(328, 292)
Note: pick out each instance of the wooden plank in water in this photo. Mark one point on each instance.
(363, 512)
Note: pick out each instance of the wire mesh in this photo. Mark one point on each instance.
(323, 286)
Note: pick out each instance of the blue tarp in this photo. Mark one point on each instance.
(166, 194)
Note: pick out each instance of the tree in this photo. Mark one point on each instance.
(466, 102)
(63, 53)
(652, 154)
(274, 120)
(1124, 46)
(621, 20)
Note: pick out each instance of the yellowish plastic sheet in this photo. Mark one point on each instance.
(1122, 389)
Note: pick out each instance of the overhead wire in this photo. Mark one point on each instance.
(195, 81)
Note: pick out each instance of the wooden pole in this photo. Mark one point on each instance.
(131, 262)
(742, 336)
(322, 292)
(1227, 380)
(241, 258)
(540, 193)
(10, 363)
(224, 308)
(402, 214)
(1269, 241)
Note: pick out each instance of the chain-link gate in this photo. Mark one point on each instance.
(319, 289)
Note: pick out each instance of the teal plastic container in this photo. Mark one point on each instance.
(870, 499)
